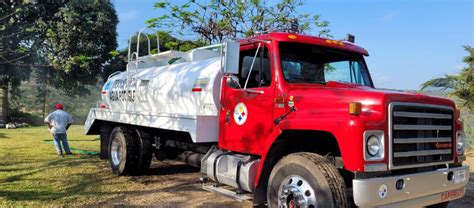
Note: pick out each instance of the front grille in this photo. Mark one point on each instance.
(421, 135)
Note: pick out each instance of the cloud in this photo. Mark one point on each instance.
(389, 16)
(127, 16)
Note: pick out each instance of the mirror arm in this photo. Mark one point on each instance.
(251, 66)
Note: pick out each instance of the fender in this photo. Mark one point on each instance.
(346, 131)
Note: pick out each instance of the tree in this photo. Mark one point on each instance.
(215, 20)
(69, 39)
(460, 85)
(78, 43)
(15, 23)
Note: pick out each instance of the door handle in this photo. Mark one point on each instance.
(227, 116)
(259, 92)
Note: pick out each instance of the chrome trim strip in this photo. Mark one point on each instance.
(421, 165)
(423, 105)
(421, 153)
(422, 115)
(375, 167)
(421, 140)
(421, 127)
(390, 140)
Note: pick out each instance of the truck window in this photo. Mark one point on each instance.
(261, 73)
(305, 63)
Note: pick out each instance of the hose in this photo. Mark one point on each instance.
(76, 150)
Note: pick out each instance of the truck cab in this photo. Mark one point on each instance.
(293, 121)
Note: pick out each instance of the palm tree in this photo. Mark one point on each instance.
(460, 85)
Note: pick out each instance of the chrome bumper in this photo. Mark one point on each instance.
(421, 189)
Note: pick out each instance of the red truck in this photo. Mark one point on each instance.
(284, 119)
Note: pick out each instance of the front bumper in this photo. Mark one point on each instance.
(421, 189)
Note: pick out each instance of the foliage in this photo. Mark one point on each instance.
(36, 98)
(460, 85)
(15, 26)
(78, 43)
(71, 37)
(216, 20)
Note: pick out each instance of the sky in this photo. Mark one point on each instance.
(409, 41)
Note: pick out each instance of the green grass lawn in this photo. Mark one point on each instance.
(32, 174)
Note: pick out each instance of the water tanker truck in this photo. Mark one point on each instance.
(283, 119)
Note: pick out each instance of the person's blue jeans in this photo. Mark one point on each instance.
(58, 139)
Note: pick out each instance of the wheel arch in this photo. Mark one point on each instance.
(291, 141)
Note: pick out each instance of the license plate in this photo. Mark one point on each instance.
(454, 194)
(459, 176)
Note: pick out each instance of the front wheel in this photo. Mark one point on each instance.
(306, 180)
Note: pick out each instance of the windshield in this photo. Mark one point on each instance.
(305, 63)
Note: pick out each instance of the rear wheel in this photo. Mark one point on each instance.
(306, 180)
(124, 152)
(145, 151)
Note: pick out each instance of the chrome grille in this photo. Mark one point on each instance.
(420, 135)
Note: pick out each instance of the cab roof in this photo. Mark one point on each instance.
(301, 38)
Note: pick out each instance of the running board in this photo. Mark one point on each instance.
(225, 191)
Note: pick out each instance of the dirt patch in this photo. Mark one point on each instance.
(174, 184)
(171, 184)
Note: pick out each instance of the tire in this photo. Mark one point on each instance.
(124, 152)
(440, 205)
(145, 152)
(306, 180)
(105, 130)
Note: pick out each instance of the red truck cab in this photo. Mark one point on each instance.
(310, 94)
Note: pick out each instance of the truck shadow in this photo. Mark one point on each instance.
(169, 167)
(3, 136)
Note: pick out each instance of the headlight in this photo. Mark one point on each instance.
(460, 142)
(374, 145)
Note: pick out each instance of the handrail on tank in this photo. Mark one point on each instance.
(214, 46)
(139, 34)
(113, 74)
(130, 62)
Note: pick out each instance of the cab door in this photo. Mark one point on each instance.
(246, 111)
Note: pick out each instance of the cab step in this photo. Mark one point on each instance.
(228, 191)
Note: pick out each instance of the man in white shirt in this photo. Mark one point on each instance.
(58, 122)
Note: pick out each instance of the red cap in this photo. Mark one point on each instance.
(59, 106)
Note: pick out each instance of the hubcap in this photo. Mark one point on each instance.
(116, 152)
(295, 192)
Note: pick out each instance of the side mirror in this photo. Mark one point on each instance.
(232, 81)
(231, 57)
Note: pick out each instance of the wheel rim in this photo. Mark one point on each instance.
(296, 192)
(116, 152)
